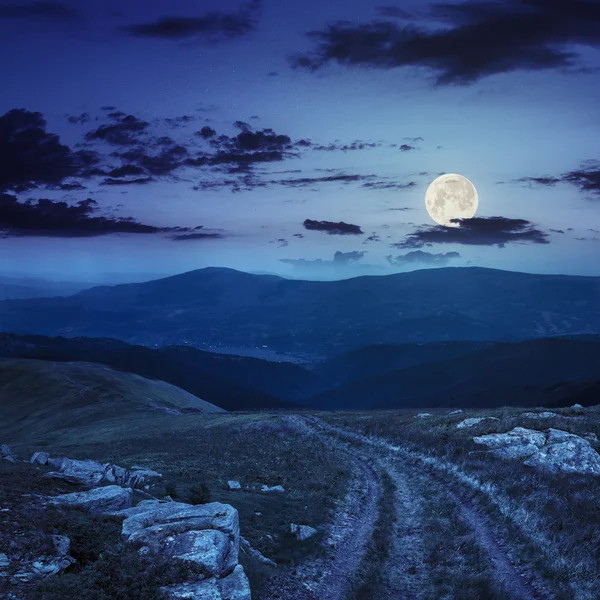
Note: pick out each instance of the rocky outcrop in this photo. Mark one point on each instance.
(472, 421)
(272, 488)
(234, 485)
(456, 412)
(40, 458)
(207, 535)
(302, 532)
(90, 472)
(423, 416)
(231, 587)
(6, 454)
(99, 500)
(45, 565)
(540, 415)
(552, 450)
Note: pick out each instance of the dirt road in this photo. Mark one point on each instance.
(408, 570)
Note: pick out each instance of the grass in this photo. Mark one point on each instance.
(199, 454)
(551, 521)
(43, 403)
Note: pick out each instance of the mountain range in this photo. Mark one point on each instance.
(216, 307)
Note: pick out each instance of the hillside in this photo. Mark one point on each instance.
(232, 382)
(84, 400)
(548, 372)
(221, 307)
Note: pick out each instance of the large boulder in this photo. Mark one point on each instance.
(47, 564)
(472, 421)
(6, 454)
(302, 532)
(91, 472)
(567, 453)
(518, 443)
(232, 587)
(540, 415)
(206, 534)
(552, 450)
(99, 500)
(39, 458)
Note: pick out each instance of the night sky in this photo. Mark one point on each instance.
(299, 138)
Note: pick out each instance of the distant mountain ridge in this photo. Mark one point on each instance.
(550, 372)
(215, 306)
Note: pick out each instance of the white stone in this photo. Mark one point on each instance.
(472, 421)
(273, 488)
(234, 485)
(302, 532)
(98, 500)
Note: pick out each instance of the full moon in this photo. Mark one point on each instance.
(449, 197)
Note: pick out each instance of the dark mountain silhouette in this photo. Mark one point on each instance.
(546, 372)
(223, 307)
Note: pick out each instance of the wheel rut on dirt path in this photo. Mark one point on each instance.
(518, 582)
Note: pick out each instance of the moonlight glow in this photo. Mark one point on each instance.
(449, 197)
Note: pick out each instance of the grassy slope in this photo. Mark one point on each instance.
(234, 383)
(41, 401)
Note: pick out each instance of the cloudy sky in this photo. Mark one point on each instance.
(146, 136)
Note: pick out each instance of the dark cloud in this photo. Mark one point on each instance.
(213, 26)
(332, 228)
(375, 237)
(406, 148)
(49, 218)
(477, 39)
(388, 185)
(340, 259)
(179, 121)
(586, 178)
(422, 258)
(43, 11)
(31, 157)
(402, 208)
(206, 132)
(79, 119)
(355, 145)
(478, 231)
(281, 242)
(557, 230)
(136, 181)
(126, 131)
(187, 237)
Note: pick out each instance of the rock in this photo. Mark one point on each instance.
(40, 458)
(245, 544)
(197, 533)
(100, 500)
(91, 472)
(518, 443)
(566, 453)
(274, 488)
(540, 415)
(233, 587)
(46, 565)
(576, 406)
(4, 563)
(553, 450)
(422, 415)
(302, 532)
(471, 422)
(234, 485)
(591, 437)
(456, 412)
(6, 454)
